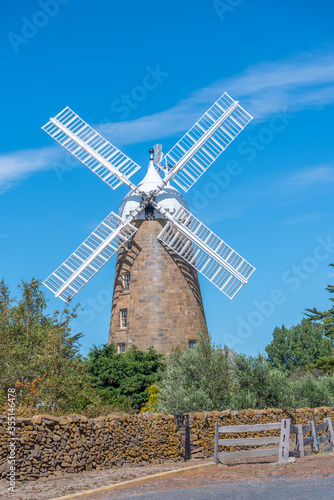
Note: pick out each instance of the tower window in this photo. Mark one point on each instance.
(126, 281)
(192, 344)
(123, 318)
(120, 348)
(129, 244)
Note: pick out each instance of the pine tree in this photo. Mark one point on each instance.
(324, 318)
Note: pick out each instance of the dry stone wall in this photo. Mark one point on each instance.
(46, 444)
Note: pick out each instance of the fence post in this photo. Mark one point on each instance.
(182, 421)
(216, 460)
(283, 453)
(300, 438)
(314, 444)
(330, 430)
(187, 443)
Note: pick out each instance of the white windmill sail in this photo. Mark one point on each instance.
(205, 251)
(204, 142)
(91, 255)
(98, 154)
(184, 164)
(157, 154)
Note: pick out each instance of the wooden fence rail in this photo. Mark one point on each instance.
(314, 439)
(286, 428)
(282, 440)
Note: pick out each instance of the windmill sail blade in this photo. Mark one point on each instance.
(202, 248)
(204, 142)
(91, 255)
(104, 159)
(157, 154)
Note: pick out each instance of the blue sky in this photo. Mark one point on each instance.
(142, 73)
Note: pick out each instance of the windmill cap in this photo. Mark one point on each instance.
(151, 180)
(169, 198)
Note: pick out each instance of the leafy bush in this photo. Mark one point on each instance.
(311, 391)
(196, 379)
(152, 402)
(122, 379)
(256, 384)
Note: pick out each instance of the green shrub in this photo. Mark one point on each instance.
(122, 379)
(196, 379)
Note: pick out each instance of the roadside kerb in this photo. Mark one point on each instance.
(153, 477)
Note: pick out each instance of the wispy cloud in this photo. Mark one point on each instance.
(274, 188)
(302, 82)
(304, 219)
(17, 165)
(311, 176)
(306, 81)
(299, 185)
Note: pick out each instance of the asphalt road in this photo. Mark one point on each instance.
(278, 488)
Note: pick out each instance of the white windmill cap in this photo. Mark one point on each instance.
(151, 180)
(169, 198)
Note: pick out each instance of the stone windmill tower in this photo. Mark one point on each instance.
(157, 299)
(160, 245)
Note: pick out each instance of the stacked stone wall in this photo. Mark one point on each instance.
(47, 444)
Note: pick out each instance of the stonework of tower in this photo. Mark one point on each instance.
(157, 299)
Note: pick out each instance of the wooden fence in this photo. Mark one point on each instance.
(283, 441)
(314, 439)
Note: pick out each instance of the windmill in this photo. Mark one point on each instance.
(160, 244)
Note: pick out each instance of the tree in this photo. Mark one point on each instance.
(325, 319)
(122, 379)
(21, 333)
(196, 379)
(298, 346)
(325, 364)
(279, 349)
(38, 354)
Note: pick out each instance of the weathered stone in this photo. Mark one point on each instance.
(39, 437)
(36, 452)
